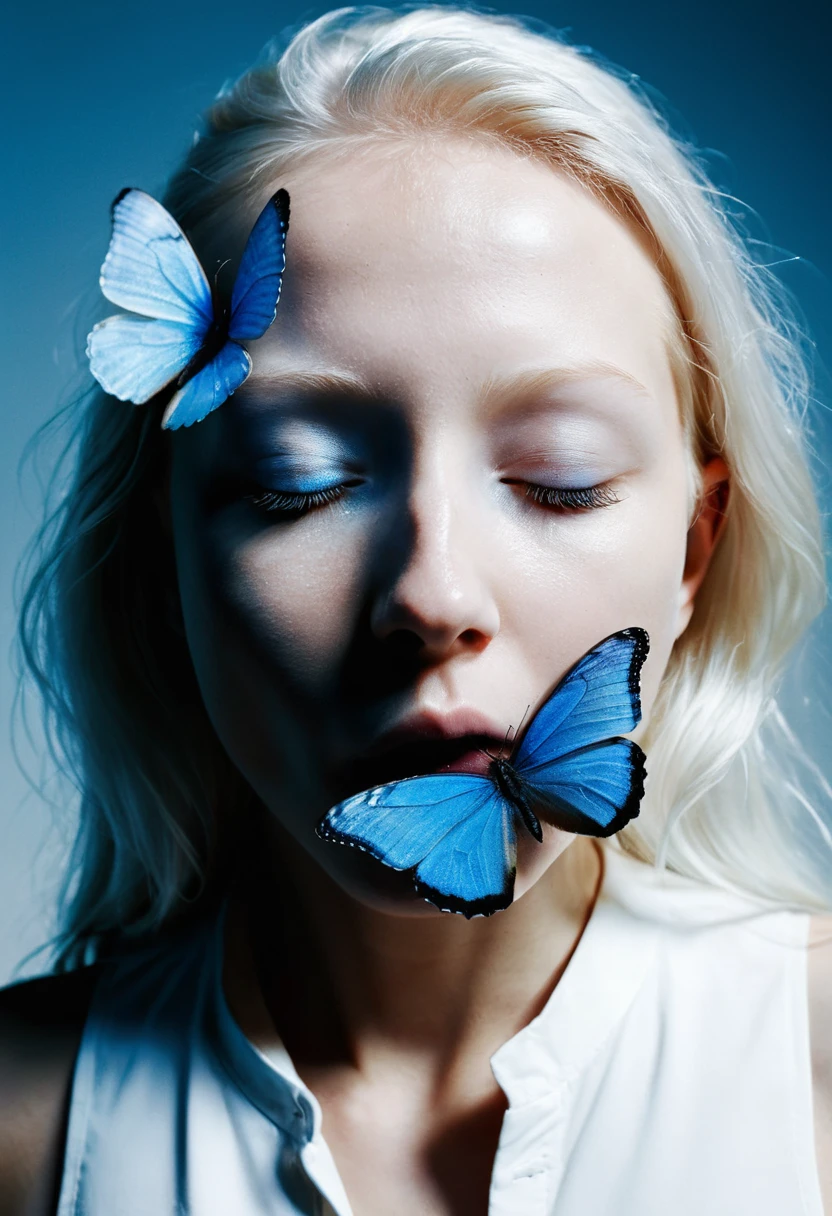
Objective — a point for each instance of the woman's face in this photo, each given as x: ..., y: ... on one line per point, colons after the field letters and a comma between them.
x: 456, y: 466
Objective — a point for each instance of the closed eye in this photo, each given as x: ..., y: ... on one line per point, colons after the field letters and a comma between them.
x: 292, y: 504
x: 563, y: 499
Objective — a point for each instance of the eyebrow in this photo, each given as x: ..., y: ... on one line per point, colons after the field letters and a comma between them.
x: 500, y: 390
x: 313, y: 381
x: 496, y: 390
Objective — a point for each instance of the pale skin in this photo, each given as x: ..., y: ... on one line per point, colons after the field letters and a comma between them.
x: 431, y: 283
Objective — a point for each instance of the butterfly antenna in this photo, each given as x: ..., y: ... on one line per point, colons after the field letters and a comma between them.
x: 505, y: 746
x: 491, y: 755
x: 518, y: 732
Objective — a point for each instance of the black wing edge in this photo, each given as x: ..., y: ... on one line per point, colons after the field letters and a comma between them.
x: 469, y: 908
x: 563, y: 815
x: 327, y: 832
x: 280, y: 202
x: 641, y: 649
x: 119, y: 197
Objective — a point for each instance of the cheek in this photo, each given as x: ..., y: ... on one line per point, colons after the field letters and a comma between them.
x: 269, y: 615
x: 298, y: 593
x: 287, y: 596
x: 587, y: 576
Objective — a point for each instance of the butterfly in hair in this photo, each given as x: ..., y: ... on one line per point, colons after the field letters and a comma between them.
x: 183, y: 335
x: 457, y: 832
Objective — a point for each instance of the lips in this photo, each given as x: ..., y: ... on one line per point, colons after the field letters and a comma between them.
x: 425, y: 745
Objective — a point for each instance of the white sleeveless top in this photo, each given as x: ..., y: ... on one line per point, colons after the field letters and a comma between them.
x: 669, y: 1073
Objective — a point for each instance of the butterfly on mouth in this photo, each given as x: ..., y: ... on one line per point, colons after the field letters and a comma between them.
x: 457, y: 832
x: 183, y: 336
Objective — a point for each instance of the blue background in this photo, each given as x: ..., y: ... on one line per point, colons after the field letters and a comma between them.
x: 100, y: 96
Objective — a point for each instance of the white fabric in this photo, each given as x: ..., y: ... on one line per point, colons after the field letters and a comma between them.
x: 668, y: 1075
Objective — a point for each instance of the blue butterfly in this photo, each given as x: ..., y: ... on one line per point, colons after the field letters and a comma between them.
x: 151, y: 269
x: 457, y: 830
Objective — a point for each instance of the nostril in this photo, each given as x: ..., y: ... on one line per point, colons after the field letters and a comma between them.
x: 474, y: 639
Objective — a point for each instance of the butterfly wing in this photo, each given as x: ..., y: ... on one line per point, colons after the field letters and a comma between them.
x: 569, y: 761
x: 253, y: 308
x: 134, y: 359
x: 594, y: 791
x: 208, y: 388
x: 257, y: 286
x: 598, y: 698
x: 150, y: 267
x: 472, y: 870
x: 455, y: 830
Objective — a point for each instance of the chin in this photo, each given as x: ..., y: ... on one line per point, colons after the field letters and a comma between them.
x: 391, y: 892
x: 380, y: 888
x: 534, y: 860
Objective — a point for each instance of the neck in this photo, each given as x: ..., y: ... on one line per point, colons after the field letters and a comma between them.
x: 345, y: 985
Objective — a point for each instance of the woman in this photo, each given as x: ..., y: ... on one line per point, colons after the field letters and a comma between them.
x: 524, y: 390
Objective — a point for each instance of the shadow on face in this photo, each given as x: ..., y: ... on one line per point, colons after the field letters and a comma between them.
x: 457, y: 465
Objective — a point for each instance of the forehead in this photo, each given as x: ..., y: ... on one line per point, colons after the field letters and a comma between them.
x: 434, y: 261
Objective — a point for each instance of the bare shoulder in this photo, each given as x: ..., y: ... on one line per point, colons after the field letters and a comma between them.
x: 41, y: 1021
x: 820, y: 1034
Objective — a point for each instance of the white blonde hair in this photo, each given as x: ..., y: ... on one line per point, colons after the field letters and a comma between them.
x: 725, y: 799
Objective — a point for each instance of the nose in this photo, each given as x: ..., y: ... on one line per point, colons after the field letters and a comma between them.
x: 436, y: 594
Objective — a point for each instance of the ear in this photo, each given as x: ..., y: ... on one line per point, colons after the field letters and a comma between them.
x: 703, y: 535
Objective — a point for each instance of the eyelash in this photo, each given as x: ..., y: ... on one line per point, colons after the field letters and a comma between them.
x: 583, y: 499
x: 293, y: 505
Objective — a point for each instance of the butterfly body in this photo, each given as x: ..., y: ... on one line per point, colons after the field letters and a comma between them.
x: 513, y: 790
x: 183, y: 334
x: 215, y: 339
x: 457, y: 832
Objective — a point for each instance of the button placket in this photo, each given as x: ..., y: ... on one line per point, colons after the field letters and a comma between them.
x: 529, y: 1159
